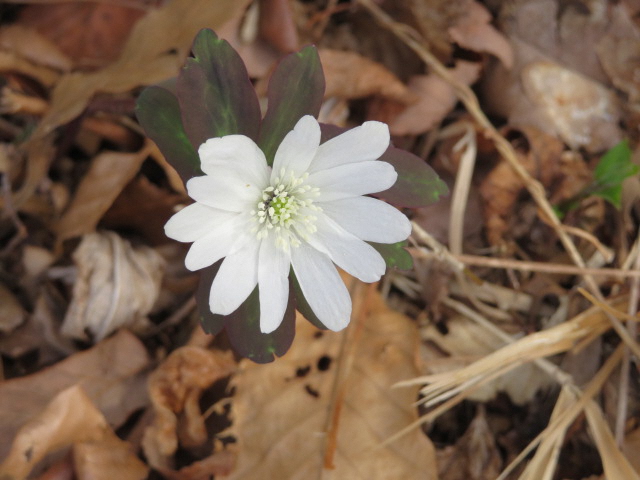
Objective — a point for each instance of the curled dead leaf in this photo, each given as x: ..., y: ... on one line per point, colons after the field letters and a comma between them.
x: 110, y: 373
x: 350, y: 75
x: 436, y: 100
x: 473, y: 30
x: 72, y: 419
x: 116, y: 286
x: 175, y: 388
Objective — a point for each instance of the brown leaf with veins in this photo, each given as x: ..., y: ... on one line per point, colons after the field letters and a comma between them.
x: 71, y: 419
x: 285, y: 413
x: 175, y: 388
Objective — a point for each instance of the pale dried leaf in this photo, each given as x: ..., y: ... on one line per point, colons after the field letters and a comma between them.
x: 631, y: 448
x: 11, y: 312
x: 116, y: 286
x: 70, y: 418
x: 583, y: 112
x: 282, y: 412
x: 32, y: 46
x: 350, y: 75
x: 109, y: 373
x: 153, y: 52
x: 175, y: 388
x: 474, y: 31
x: 437, y: 99
x: 108, y: 175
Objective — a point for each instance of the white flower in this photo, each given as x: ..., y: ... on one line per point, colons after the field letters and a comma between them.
x: 307, y: 212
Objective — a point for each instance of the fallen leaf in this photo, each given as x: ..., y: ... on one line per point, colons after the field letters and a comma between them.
x: 116, y: 286
x: 436, y: 100
x: 11, y: 312
x: 91, y: 34
x: 30, y: 45
x: 174, y: 389
x: 285, y: 413
x: 152, y: 53
x: 277, y: 25
x: 108, y: 373
x: 108, y: 175
x: 350, y: 75
x: 473, y: 30
x: 583, y: 112
x: 72, y: 419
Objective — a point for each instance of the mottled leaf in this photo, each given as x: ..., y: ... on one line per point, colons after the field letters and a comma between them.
x: 243, y: 325
x: 418, y: 185
x: 296, y: 89
x: 394, y: 254
x: 158, y: 112
x: 215, y: 93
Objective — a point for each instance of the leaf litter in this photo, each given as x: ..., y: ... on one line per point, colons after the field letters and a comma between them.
x: 516, y: 371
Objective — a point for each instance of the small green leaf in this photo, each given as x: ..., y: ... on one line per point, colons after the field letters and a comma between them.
x: 296, y: 89
x: 158, y: 112
x: 394, y: 255
x: 418, y: 185
x: 215, y: 93
x: 614, y: 167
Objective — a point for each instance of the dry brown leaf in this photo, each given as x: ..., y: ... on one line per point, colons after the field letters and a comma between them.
x: 91, y: 34
x: 175, y: 388
x: 437, y: 99
x: 153, y: 52
x: 473, y: 30
x: 109, y: 173
x: 116, y: 286
x: 32, y: 46
x: 282, y: 412
x: 350, y: 75
x: 11, y: 312
x: 631, y: 448
x: 583, y: 112
x: 109, y: 373
x: 72, y: 419
x: 277, y: 25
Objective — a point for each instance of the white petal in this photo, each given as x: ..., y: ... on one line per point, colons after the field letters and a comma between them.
x: 369, y: 219
x: 353, y: 180
x: 273, y: 278
x: 210, y: 248
x: 322, y: 287
x: 195, y: 221
x: 298, y: 148
x: 364, y: 143
x: 236, y: 279
x: 354, y: 256
x: 226, y: 192
x: 237, y: 152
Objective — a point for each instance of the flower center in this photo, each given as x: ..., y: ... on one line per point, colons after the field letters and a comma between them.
x: 286, y: 209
